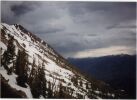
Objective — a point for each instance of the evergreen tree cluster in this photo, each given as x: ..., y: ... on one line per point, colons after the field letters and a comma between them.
x: 37, y: 81
x: 21, y: 68
x: 8, y: 58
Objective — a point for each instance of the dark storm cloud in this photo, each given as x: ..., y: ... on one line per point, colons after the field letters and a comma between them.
x: 72, y: 27
x: 12, y: 10
x: 22, y: 8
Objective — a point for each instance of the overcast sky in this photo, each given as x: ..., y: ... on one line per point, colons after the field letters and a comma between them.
x: 77, y: 29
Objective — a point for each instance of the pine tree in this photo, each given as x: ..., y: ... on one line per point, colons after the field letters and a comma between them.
x: 43, y: 81
x: 9, y: 56
x: 38, y: 84
x: 80, y: 83
x: 61, y: 94
x: 18, y: 61
x: 21, y: 68
x: 50, y: 93
x: 33, y: 72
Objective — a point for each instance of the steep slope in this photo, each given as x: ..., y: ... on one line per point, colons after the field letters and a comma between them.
x: 29, y: 65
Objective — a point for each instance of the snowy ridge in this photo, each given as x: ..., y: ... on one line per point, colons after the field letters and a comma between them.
x: 56, y: 70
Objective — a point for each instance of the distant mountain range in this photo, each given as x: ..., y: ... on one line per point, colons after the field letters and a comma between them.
x: 117, y: 70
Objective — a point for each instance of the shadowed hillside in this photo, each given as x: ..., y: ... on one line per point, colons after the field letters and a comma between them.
x: 119, y: 71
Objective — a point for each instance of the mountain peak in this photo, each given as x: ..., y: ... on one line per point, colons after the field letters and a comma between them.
x: 20, y: 27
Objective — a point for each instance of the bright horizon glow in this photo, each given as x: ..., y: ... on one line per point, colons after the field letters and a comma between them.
x: 113, y: 50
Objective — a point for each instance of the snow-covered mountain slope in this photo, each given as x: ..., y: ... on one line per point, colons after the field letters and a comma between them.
x: 30, y: 66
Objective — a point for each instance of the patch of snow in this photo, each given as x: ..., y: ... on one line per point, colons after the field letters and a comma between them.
x: 10, y: 65
x: 113, y: 95
x: 12, y: 82
x: 108, y: 94
x: 98, y: 92
x: 3, y: 47
x: 41, y: 97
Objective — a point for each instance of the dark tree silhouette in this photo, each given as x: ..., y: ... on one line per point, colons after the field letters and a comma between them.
x: 38, y: 81
x: 60, y: 91
x: 21, y: 68
x: 9, y: 56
